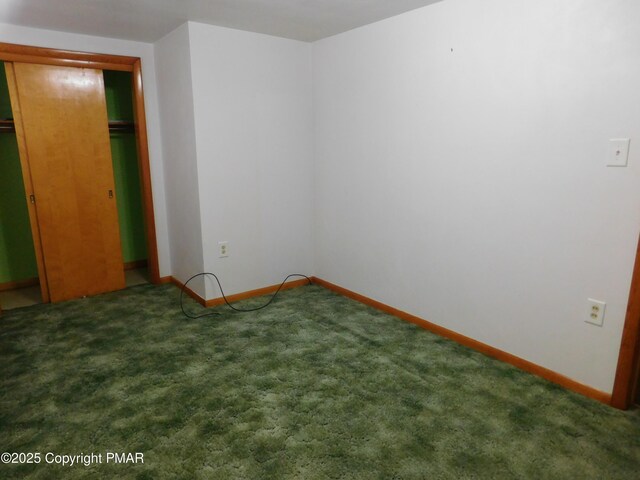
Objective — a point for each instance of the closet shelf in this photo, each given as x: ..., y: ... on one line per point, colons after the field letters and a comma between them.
x: 116, y: 126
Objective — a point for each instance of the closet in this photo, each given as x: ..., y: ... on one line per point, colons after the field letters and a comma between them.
x: 125, y: 168
x: 82, y: 175
x: 61, y: 117
x: 18, y: 267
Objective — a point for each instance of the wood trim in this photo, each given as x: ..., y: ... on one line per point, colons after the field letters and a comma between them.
x: 188, y: 291
x: 66, y: 58
x: 164, y: 280
x: 474, y: 344
x: 144, y: 167
x: 48, y: 56
x: 214, y: 302
x: 135, y: 264
x: 29, y: 282
x: 626, y: 383
x: 26, y: 178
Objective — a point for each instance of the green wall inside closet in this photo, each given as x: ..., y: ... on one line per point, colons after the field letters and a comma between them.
x: 119, y: 94
x: 17, y: 257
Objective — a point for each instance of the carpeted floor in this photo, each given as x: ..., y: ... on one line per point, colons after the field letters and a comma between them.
x: 316, y: 386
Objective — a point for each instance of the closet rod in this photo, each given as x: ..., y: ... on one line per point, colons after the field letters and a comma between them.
x: 117, y: 126
x: 7, y: 126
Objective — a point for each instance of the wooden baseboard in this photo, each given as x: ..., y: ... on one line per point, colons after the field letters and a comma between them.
x: 257, y: 292
x: 188, y: 291
x: 488, y: 350
x: 135, y: 264
x: 164, y: 280
x: 29, y: 282
x: 214, y: 302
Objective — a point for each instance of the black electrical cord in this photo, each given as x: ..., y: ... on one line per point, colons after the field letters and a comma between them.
x: 186, y: 314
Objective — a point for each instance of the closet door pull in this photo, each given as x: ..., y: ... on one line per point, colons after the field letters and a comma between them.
x: 32, y: 199
x: 110, y: 193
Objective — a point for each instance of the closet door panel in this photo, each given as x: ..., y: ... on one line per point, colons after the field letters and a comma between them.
x: 65, y: 124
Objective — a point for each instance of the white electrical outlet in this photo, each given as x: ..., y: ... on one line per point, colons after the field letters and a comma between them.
x: 223, y: 249
x: 595, y: 312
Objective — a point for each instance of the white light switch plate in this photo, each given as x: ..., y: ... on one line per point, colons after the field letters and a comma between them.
x: 618, y: 152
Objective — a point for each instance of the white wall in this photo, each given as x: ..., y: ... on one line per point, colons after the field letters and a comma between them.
x: 465, y: 186
x: 254, y: 134
x: 86, y: 43
x: 175, y: 92
x: 469, y: 187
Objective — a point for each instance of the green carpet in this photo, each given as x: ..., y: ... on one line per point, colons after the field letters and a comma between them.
x: 315, y: 386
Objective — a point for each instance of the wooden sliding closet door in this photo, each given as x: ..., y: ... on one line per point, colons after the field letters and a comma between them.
x: 63, y: 116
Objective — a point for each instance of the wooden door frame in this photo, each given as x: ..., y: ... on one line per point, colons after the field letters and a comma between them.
x: 48, y: 56
x: 626, y: 382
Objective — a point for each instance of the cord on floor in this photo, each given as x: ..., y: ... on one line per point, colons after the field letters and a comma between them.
x: 241, y: 310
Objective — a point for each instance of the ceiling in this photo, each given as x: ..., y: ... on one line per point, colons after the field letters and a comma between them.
x: 150, y: 20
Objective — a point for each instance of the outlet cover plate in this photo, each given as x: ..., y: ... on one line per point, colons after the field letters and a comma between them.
x: 595, y: 312
x: 223, y: 249
x: 618, y: 152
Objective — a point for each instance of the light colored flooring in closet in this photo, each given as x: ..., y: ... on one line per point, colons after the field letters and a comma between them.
x: 136, y: 276
x: 24, y: 297
x: 20, y: 297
